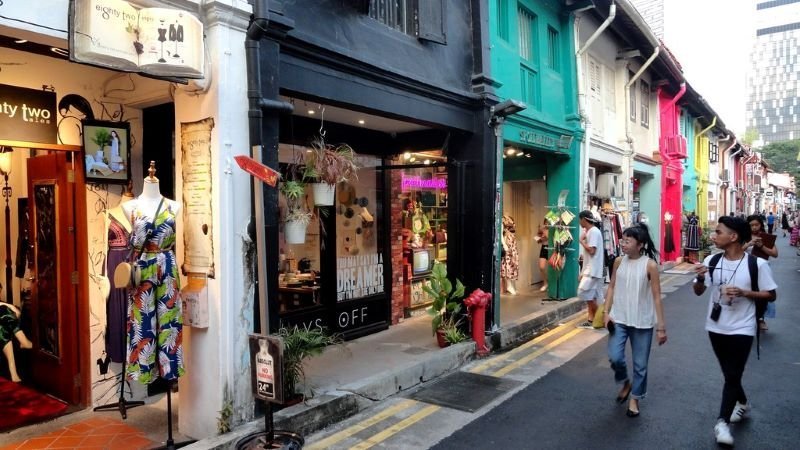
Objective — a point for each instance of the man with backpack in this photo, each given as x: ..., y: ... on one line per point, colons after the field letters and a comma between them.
x: 737, y: 280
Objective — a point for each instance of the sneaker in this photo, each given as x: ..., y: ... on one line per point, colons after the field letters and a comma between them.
x: 588, y: 325
x: 739, y: 412
x: 723, y: 433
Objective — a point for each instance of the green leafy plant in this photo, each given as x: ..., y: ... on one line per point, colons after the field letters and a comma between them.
x: 224, y: 424
x: 101, y: 138
x: 452, y: 331
x: 330, y: 164
x: 299, y: 344
x: 294, y: 192
x: 445, y: 307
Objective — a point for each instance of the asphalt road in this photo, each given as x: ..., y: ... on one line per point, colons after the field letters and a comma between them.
x: 573, y: 405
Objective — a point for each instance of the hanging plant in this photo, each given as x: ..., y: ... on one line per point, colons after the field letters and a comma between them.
x: 330, y: 164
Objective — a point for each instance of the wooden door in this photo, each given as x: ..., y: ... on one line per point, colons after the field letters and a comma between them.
x: 54, y: 306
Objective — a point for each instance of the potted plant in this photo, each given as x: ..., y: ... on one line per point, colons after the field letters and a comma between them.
x: 445, y: 308
x: 325, y: 165
x: 299, y: 344
x: 101, y: 138
x: 297, y: 217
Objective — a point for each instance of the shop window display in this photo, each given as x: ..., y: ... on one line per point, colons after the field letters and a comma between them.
x: 424, y: 229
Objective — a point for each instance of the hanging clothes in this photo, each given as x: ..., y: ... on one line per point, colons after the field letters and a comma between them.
x: 692, y: 234
x: 155, y: 318
x: 117, y: 303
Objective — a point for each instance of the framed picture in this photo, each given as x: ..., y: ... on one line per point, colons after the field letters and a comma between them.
x: 107, y: 151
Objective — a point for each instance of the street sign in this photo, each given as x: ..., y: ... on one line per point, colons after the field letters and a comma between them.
x: 266, y: 367
x: 258, y: 170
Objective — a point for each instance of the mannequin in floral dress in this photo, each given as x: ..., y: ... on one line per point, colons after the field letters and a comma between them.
x: 155, y: 319
x: 509, y: 264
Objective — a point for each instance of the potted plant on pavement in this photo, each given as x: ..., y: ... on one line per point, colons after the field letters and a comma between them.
x: 297, y: 216
x: 325, y: 166
x: 299, y: 344
x: 445, y: 309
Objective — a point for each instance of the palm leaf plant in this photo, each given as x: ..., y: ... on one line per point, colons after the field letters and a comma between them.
x: 299, y: 344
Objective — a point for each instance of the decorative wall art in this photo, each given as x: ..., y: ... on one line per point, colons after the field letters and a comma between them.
x: 106, y: 151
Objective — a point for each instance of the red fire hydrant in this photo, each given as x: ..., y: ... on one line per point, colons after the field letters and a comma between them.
x: 476, y: 303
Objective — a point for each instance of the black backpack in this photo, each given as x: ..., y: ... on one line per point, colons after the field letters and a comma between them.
x: 761, y: 305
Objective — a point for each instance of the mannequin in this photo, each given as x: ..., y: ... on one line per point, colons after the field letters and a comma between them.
x: 9, y: 328
x: 117, y: 250
x: 155, y: 317
x: 509, y: 264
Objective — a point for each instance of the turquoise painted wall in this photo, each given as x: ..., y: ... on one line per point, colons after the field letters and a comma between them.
x: 540, y: 72
x: 689, y: 198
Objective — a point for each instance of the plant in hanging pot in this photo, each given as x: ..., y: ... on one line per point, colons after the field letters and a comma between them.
x: 445, y: 309
x: 297, y: 216
x: 325, y: 166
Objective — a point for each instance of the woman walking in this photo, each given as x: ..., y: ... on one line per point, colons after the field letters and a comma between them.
x: 633, y: 308
x: 541, y: 238
x: 731, y: 314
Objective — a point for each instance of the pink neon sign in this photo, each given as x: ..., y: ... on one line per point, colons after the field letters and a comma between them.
x: 418, y: 183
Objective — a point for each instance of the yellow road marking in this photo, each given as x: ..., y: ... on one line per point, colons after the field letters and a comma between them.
x: 499, y: 358
x: 516, y: 364
x: 361, y: 426
x: 396, y: 428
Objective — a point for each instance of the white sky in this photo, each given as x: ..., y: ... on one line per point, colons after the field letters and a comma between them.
x: 712, y: 40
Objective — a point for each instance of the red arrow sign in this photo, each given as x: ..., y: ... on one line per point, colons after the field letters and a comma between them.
x: 258, y: 170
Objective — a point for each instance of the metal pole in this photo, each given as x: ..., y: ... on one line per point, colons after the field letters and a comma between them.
x: 7, y: 196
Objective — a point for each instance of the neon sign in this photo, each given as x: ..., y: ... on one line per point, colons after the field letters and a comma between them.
x: 418, y: 183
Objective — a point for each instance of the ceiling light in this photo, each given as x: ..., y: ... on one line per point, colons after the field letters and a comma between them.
x: 361, y: 121
x: 407, y: 156
x: 412, y: 159
x: 510, y: 151
x: 527, y: 155
x: 59, y: 51
x: 308, y: 150
x: 20, y: 41
x: 504, y: 156
x: 520, y: 153
x: 311, y: 112
x: 427, y: 161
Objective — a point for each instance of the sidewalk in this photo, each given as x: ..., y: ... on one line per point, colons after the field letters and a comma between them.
x: 365, y: 371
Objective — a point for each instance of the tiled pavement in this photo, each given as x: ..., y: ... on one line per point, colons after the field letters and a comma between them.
x: 97, y: 433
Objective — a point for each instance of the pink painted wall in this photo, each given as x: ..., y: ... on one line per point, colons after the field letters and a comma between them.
x: 671, y: 175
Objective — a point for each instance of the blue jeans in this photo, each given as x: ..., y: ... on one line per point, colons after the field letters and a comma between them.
x: 640, y: 338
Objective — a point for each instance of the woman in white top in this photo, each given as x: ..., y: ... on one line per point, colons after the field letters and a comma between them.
x: 632, y: 311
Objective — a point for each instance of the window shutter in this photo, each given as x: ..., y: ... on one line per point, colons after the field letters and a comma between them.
x: 431, y: 19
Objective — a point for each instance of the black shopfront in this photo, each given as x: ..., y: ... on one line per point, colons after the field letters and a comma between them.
x: 380, y: 71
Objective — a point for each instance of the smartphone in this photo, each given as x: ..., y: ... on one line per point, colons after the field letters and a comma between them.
x: 610, y: 327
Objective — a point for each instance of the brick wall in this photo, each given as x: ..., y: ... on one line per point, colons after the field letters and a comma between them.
x: 396, y: 248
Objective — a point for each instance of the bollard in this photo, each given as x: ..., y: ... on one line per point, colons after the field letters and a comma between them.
x: 476, y: 304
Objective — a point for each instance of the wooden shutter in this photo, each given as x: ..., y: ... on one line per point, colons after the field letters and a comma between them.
x: 431, y: 17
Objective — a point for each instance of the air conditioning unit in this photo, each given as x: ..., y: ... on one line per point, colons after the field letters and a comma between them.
x: 591, y: 180
x: 724, y: 176
x: 674, y: 146
x: 609, y: 185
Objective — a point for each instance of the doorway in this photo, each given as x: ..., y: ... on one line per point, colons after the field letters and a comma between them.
x: 525, y: 202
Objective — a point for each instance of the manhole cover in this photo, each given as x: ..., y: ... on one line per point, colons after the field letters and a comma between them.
x: 464, y: 391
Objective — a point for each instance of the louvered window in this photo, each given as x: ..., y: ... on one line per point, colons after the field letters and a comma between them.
x: 527, y: 34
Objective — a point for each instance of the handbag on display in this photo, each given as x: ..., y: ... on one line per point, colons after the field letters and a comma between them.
x: 126, y: 274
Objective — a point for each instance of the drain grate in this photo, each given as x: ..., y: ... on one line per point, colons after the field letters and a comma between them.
x: 464, y: 391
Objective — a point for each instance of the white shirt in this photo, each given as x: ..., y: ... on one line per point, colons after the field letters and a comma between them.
x: 738, y: 317
x: 593, y: 265
x: 633, y: 297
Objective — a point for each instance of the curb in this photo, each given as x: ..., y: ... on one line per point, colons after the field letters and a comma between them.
x: 336, y: 406
x: 529, y: 326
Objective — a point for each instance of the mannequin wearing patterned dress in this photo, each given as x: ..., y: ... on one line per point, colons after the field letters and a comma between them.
x: 509, y: 264
x: 119, y: 231
x: 155, y: 319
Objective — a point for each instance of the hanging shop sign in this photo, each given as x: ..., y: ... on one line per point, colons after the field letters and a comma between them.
x: 198, y: 232
x: 266, y: 362
x: 157, y: 41
x: 28, y: 115
x: 538, y: 139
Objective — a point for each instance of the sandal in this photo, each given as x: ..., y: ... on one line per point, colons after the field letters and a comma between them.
x: 627, y: 392
x: 632, y: 413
